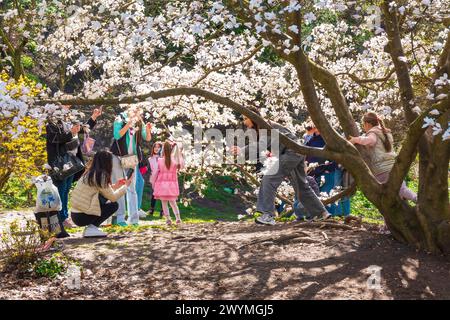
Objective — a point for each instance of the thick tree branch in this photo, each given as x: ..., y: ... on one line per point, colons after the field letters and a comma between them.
x: 320, y: 74
x: 395, y: 49
x: 344, y: 193
x: 334, y: 92
x: 188, y: 91
x: 408, y: 150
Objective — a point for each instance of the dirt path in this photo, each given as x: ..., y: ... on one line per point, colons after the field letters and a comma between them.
x: 242, y: 261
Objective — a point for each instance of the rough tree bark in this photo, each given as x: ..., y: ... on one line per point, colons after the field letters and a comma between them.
x: 426, y: 225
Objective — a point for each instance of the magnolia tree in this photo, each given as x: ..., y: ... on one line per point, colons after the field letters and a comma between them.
x: 203, y: 62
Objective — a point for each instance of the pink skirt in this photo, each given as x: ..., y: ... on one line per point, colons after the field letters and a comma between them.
x: 166, y: 190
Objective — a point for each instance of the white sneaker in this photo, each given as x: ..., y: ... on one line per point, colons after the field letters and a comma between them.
x: 92, y: 231
x: 142, y: 214
x: 321, y: 217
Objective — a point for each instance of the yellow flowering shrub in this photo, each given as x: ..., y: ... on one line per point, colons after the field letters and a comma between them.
x: 23, y: 156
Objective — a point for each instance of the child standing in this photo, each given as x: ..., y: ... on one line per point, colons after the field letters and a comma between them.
x: 153, y: 160
x: 165, y: 183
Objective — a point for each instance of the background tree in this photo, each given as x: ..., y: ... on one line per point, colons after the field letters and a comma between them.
x: 189, y: 59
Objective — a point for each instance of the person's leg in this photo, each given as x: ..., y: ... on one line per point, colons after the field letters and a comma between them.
x: 139, y: 188
x: 132, y: 201
x: 176, y: 211
x: 406, y: 193
x: 82, y: 219
x: 346, y: 206
x: 270, y: 183
x: 299, y: 210
x: 327, y: 187
x: 304, y: 192
x: 117, y: 174
x: 280, y: 207
x: 267, y: 192
x: 63, y: 190
x: 152, y: 204
x: 382, y: 177
x: 165, y: 210
x: 338, y: 210
x: 68, y: 186
x: 343, y: 207
x: 108, y: 210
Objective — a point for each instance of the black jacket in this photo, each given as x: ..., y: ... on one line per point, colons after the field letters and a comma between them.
x: 57, y: 137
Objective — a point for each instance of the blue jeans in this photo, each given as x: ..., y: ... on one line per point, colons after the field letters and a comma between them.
x: 332, y: 180
x: 63, y: 190
x: 139, y: 187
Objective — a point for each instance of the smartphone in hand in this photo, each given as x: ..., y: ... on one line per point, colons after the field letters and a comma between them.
x: 130, y: 173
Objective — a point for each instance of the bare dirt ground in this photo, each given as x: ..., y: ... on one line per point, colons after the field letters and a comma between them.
x: 242, y: 261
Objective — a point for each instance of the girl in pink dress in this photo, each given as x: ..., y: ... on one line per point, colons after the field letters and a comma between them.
x: 165, y: 180
x: 153, y: 160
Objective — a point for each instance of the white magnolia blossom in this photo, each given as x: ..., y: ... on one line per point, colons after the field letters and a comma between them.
x: 199, y: 43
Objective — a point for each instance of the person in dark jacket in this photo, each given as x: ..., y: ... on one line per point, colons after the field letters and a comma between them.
x: 331, y: 171
x: 290, y: 164
x: 59, y: 133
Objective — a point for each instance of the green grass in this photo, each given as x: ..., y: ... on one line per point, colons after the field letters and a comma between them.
x: 56, y: 265
x: 196, y: 213
x: 362, y: 207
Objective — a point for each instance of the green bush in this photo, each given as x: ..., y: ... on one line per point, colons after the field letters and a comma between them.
x: 20, y: 245
x: 27, y: 62
x: 17, y: 195
x: 52, y: 267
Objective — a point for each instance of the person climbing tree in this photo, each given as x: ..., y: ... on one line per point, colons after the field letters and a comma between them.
x: 290, y: 164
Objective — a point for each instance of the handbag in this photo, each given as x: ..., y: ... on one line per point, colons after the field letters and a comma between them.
x: 50, y: 222
x: 65, y: 166
x: 88, y: 144
x: 47, y: 196
x: 127, y: 161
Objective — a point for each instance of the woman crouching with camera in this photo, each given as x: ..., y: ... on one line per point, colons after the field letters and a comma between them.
x: 94, y: 198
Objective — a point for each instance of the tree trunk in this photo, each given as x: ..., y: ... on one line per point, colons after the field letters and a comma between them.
x: 17, y: 65
x: 427, y: 225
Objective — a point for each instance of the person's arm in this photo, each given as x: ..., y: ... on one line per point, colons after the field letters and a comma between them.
x: 118, y: 130
x: 54, y: 135
x: 146, y: 132
x: 118, y: 184
x: 111, y: 194
x: 181, y: 159
x: 91, y: 123
x: 369, y: 140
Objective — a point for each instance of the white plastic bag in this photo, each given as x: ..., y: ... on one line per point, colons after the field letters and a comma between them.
x: 47, y: 195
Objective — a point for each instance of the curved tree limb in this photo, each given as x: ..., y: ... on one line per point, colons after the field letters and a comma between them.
x: 188, y: 91
x: 395, y: 49
x: 407, y: 152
